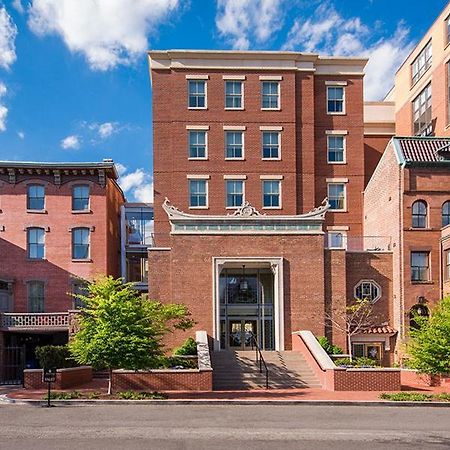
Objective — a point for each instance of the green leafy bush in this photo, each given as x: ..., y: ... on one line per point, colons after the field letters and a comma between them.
x: 445, y: 396
x: 406, y: 397
x: 132, y: 395
x: 329, y: 347
x: 171, y: 362
x: 63, y: 395
x: 54, y: 356
x: 357, y: 362
x: 189, y: 347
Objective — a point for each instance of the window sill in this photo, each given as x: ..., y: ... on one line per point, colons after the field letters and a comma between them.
x: 270, y: 159
x: 198, y: 159
x: 338, y: 210
x: 191, y: 108
x: 270, y: 109
x: 198, y: 207
x: 336, y: 113
x: 234, y: 109
x: 422, y: 282
x: 88, y: 260
x: 36, y: 259
x: 337, y: 163
x: 272, y: 207
x: 36, y: 211
x: 234, y: 159
x: 84, y: 211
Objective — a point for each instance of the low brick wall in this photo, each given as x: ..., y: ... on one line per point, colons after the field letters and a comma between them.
x: 411, y: 377
x: 65, y: 378
x: 333, y: 378
x: 162, y: 380
x: 367, y: 379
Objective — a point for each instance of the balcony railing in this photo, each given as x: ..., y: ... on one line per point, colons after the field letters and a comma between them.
x: 30, y: 321
x: 360, y: 243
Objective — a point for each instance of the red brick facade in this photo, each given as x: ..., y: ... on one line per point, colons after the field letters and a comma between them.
x: 65, y: 378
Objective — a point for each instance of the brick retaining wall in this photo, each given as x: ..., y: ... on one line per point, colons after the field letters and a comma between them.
x: 162, y: 380
x: 367, y: 380
x: 65, y: 378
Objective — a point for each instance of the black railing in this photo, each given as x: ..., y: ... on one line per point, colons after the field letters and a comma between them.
x: 259, y: 358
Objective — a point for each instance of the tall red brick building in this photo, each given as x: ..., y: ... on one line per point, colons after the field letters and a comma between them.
x: 246, y: 148
x: 59, y: 226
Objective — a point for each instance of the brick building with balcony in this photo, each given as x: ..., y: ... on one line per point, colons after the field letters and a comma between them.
x: 59, y: 226
x: 246, y: 148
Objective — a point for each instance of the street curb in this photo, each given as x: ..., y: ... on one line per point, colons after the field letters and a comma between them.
x: 217, y: 402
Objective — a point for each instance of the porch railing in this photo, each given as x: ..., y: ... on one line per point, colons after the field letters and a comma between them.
x: 34, y: 320
x: 359, y: 243
x: 259, y: 358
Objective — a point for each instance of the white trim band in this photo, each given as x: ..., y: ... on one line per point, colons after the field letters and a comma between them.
x: 234, y: 77
x: 336, y: 83
x: 270, y: 77
x: 271, y: 177
x: 338, y: 228
x: 235, y: 177
x: 197, y: 127
x: 270, y: 128
x: 197, y: 77
x: 337, y: 180
x: 338, y: 132
x: 234, y: 127
x: 198, y: 177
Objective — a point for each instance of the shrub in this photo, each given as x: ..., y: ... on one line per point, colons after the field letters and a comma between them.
x: 444, y: 396
x: 54, y: 356
x: 406, y: 397
x: 173, y: 362
x: 189, y: 347
x: 63, y: 395
x: 357, y: 362
x: 329, y: 347
x: 132, y: 395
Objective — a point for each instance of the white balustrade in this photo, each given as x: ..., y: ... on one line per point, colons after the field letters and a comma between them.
x: 34, y: 320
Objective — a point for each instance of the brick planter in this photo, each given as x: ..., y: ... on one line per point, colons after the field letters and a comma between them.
x: 412, y: 377
x: 65, y: 378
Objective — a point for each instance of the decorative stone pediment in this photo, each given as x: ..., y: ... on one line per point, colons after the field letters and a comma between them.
x: 246, y: 220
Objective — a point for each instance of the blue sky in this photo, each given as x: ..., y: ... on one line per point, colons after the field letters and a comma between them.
x: 74, y: 82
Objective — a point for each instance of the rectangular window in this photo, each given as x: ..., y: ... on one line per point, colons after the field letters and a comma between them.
x: 336, y: 239
x: 139, y: 227
x: 421, y: 64
x: 36, y: 197
x: 79, y: 288
x: 335, y: 148
x: 36, y: 296
x: 137, y: 268
x: 335, y: 100
x: 36, y: 243
x: 235, y: 193
x: 336, y: 196
x: 198, y: 195
x: 80, y: 198
x: 197, y: 94
x: 271, y: 145
x: 233, y: 95
x: 234, y: 145
x: 271, y: 193
x: 420, y: 266
x: 270, y: 98
x: 422, y: 122
x: 197, y: 144
x: 447, y: 265
x: 80, y: 243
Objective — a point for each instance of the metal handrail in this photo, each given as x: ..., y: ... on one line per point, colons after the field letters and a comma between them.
x: 260, y: 358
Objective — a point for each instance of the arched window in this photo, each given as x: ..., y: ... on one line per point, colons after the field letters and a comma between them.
x: 417, y: 311
x: 419, y: 214
x: 446, y: 214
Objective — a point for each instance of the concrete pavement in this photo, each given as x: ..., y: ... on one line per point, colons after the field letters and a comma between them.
x: 223, y: 427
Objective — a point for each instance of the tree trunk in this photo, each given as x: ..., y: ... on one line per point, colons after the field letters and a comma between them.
x: 109, y: 381
x: 349, y: 345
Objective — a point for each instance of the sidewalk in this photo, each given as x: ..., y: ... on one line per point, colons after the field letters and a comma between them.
x: 306, y: 394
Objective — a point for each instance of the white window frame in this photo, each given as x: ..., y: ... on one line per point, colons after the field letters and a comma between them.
x: 280, y: 196
x: 74, y: 229
x: 197, y: 130
x: 360, y: 282
x: 242, y: 180
x: 344, y: 239
x: 225, y: 95
x: 344, y: 146
x: 344, y: 107
x: 262, y: 144
x: 198, y: 178
x: 262, y: 81
x: 422, y: 70
x: 231, y: 130
x: 202, y: 80
x: 344, y: 184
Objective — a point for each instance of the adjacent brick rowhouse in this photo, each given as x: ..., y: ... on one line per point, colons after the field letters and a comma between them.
x: 162, y: 380
x: 65, y: 378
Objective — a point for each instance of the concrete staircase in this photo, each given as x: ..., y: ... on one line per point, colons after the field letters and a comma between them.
x: 233, y: 370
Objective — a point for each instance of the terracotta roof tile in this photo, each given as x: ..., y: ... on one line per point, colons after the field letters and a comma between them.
x: 424, y: 149
x: 385, y: 329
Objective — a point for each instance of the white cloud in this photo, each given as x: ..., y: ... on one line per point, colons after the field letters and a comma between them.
x: 17, y: 5
x: 243, y: 21
x: 328, y: 33
x: 106, y: 32
x: 8, y: 33
x: 138, y: 184
x: 3, y: 108
x: 104, y: 130
x: 21, y: 134
x: 70, y: 142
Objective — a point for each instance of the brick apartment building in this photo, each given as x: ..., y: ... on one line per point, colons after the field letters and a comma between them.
x: 59, y: 225
x: 246, y: 148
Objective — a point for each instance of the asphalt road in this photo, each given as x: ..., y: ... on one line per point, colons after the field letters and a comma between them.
x: 223, y: 427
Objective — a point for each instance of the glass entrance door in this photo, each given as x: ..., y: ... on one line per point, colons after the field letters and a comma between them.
x: 240, y: 333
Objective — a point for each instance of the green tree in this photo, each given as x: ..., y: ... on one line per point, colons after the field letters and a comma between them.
x: 119, y: 328
x: 429, y: 347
